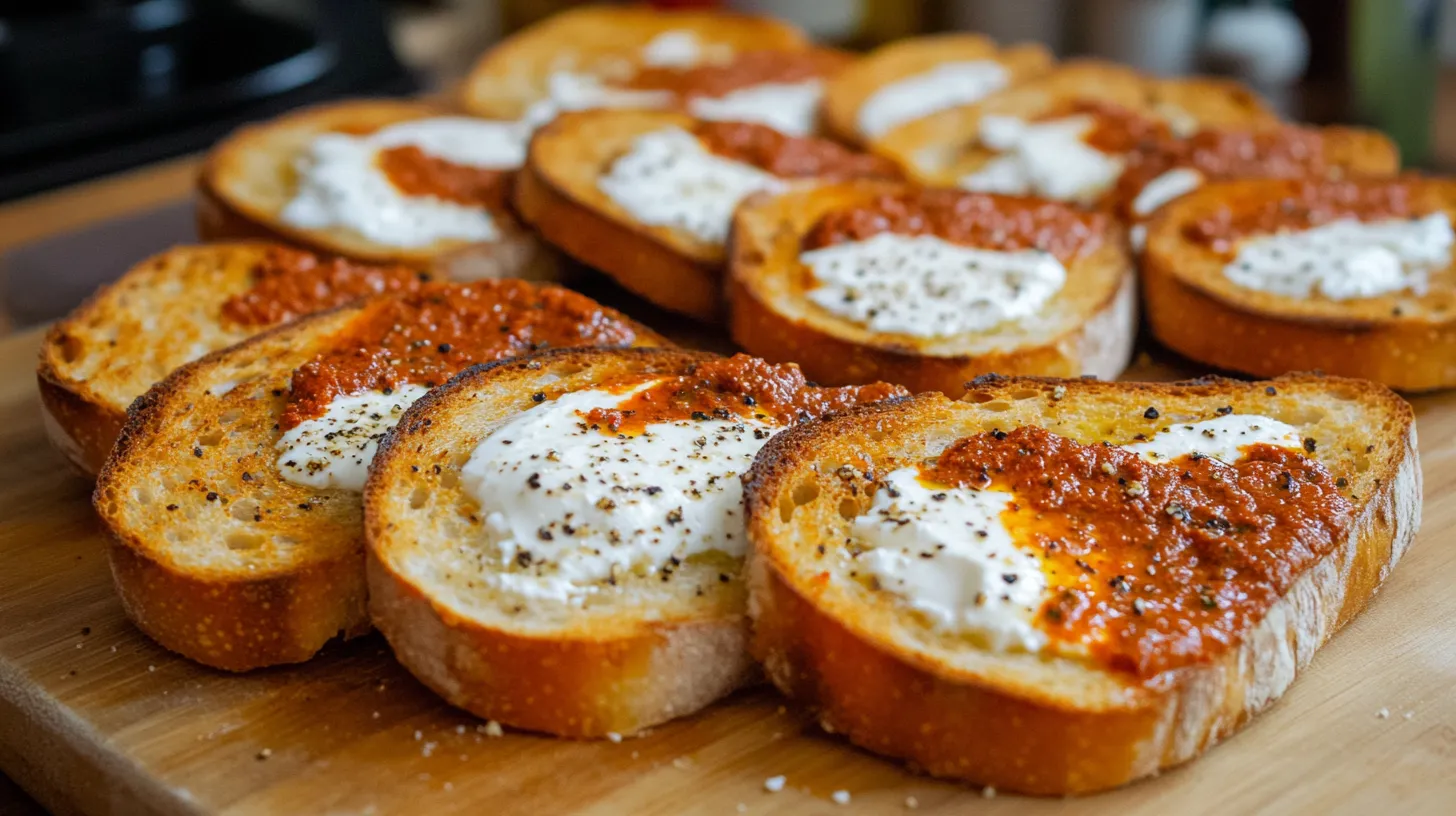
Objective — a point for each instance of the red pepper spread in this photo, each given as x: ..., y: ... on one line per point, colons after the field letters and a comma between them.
x: 790, y: 156
x: 738, y: 386
x: 744, y: 70
x: 1154, y: 566
x: 1306, y: 204
x: 428, y: 336
x: 416, y: 173
x: 982, y: 220
x: 1116, y: 129
x: 290, y: 283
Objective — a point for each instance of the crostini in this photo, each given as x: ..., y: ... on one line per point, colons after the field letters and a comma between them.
x: 865, y: 281
x: 172, y: 309
x: 380, y: 181
x: 1350, y: 277
x: 1060, y: 587
x: 647, y: 196
x: 233, y: 492
x: 910, y: 79
x: 556, y: 542
x: 711, y: 64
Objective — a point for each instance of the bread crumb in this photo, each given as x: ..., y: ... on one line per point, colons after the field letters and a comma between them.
x: 774, y: 784
x: 1409, y: 715
x: 988, y: 792
x: 776, y: 736
x: 460, y: 729
x: 448, y: 786
x: 419, y: 735
x: 911, y: 802
x: 264, y: 754
x: 634, y: 754
x: 374, y: 716
x: 151, y: 668
x: 742, y: 808
x: 1382, y: 713
x: 493, y: 729
x: 682, y: 763
x: 840, y: 797
x: 428, y: 748
x: 825, y: 724
x: 613, y: 736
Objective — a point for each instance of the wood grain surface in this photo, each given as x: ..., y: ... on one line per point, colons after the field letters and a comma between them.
x: 94, y: 718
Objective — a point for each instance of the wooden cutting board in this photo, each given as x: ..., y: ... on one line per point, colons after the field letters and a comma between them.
x: 94, y: 718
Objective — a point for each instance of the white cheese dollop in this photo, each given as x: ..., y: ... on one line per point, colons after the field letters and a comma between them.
x: 929, y: 287
x: 568, y: 507
x: 673, y: 49
x: 788, y: 107
x: 1047, y: 159
x: 340, y: 184
x: 334, y: 450
x: 1173, y: 184
x: 1223, y: 438
x: 570, y: 91
x: 945, y: 86
x: 668, y: 178
x: 1346, y: 259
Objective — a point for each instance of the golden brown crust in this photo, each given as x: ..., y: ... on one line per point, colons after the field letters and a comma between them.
x: 1404, y: 341
x: 585, y: 677
x: 983, y: 724
x: 770, y: 317
x: 248, y: 178
x: 847, y: 93
x: 82, y: 429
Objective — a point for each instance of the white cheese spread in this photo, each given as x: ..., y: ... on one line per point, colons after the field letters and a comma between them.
x: 788, y: 107
x: 569, y: 91
x: 1173, y: 184
x: 929, y: 287
x: 1346, y: 259
x: 669, y: 179
x: 340, y: 184
x: 568, y: 507
x: 673, y: 49
x: 945, y: 86
x: 946, y: 552
x: 1047, y: 159
x: 334, y: 450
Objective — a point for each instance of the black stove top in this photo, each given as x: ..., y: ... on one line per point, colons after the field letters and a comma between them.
x: 89, y: 87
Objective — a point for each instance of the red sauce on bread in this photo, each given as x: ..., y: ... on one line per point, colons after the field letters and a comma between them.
x: 416, y: 173
x: 1154, y: 566
x: 1305, y: 204
x: 427, y: 336
x: 982, y: 220
x: 739, y: 386
x: 744, y: 70
x: 290, y: 283
x: 790, y: 156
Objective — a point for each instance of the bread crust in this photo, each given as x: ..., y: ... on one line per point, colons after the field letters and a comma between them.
x: 989, y: 727
x: 214, y: 554
x: 582, y: 678
x: 847, y: 92
x: 605, y: 41
x: 248, y: 178
x: 83, y: 429
x: 763, y: 287
x: 1192, y: 312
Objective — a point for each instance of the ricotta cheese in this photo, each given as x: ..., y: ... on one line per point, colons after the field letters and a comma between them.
x: 1047, y: 159
x: 788, y: 107
x: 334, y: 450
x: 929, y: 287
x: 1173, y: 184
x: 1346, y: 259
x: 568, y: 507
x: 945, y: 86
x: 571, y: 91
x: 673, y: 49
x: 1223, y: 438
x: 669, y: 179
x: 340, y: 184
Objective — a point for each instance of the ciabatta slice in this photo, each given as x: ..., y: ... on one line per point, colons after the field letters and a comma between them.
x: 612, y: 44
x: 916, y: 57
x: 1404, y: 337
x: 473, y: 514
x: 216, y: 553
x: 880, y: 670
x: 250, y: 177
x: 559, y: 193
x: 1086, y: 327
x: 171, y: 309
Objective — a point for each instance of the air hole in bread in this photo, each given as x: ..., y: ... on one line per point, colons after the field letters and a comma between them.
x: 458, y: 460
x: 449, y: 479
x: 977, y: 397
x: 72, y: 348
x: 244, y: 510
x: 229, y: 417
x: 804, y: 492
x: 998, y: 405
x: 1301, y: 415
x: 1025, y: 394
x: 210, y: 439
x: 285, y: 541
x: 418, y: 497
x: 243, y: 541
x: 141, y: 495
x: 849, y: 508
x: 877, y: 435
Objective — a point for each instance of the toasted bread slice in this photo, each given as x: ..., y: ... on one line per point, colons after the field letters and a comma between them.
x: 847, y: 94
x: 515, y: 627
x: 944, y: 147
x: 1087, y: 326
x: 559, y: 193
x: 611, y: 44
x: 220, y: 554
x: 881, y: 672
x: 250, y: 177
x: 1403, y: 337
x: 172, y: 309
